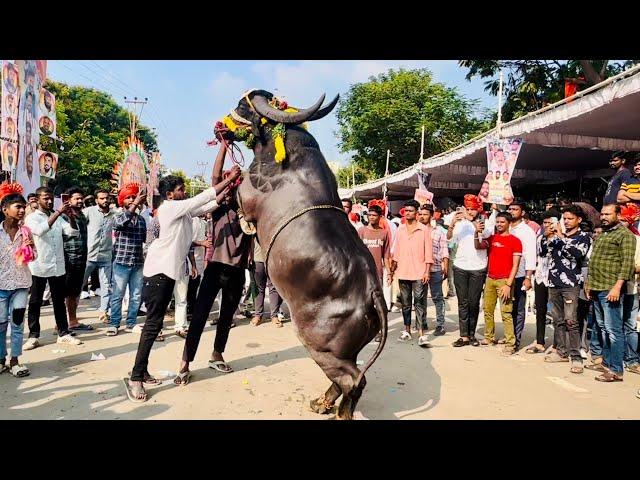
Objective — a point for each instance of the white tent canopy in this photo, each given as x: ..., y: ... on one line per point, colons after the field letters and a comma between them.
x: 563, y: 141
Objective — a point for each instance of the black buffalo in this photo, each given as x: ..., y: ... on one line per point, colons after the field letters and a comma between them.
x: 316, y: 260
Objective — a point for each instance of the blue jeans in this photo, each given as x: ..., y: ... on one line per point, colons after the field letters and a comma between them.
x: 435, y: 285
x: 595, y: 338
x: 104, y: 270
x: 629, y: 315
x: 609, y: 318
x: 10, y: 301
x: 122, y: 276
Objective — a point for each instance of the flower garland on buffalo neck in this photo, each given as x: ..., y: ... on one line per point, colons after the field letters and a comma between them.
x: 243, y: 134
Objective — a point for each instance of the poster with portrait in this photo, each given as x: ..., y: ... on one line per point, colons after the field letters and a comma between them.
x: 502, y: 155
x: 48, y: 164
x: 9, y: 151
x: 10, y: 100
x: 27, y: 170
x: 47, y: 113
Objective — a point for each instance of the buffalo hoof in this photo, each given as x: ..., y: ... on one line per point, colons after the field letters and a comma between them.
x: 321, y: 406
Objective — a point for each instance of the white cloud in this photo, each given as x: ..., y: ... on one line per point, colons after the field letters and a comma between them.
x: 226, y: 85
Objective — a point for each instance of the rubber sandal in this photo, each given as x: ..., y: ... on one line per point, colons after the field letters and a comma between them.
x: 255, y: 321
x: 181, y: 333
x: 131, y: 394
x: 609, y: 377
x: 596, y: 367
x: 160, y: 337
x: 220, y: 366
x: 112, y: 331
x: 81, y: 327
x: 19, y: 371
x: 182, y: 379
x: 534, y: 349
x: 3, y: 368
x: 461, y: 342
x: 149, y: 380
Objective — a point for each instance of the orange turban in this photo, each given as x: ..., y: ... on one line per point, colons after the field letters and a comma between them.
x: 131, y: 189
x: 383, y: 205
x: 473, y: 202
x: 630, y: 213
x: 10, y: 189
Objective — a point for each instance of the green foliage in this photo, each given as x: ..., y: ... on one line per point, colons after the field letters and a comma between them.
x: 531, y: 84
x: 93, y: 128
x: 388, y: 112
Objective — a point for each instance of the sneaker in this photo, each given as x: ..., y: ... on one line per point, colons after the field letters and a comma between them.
x: 84, y: 295
x: 30, y: 344
x: 583, y: 354
x: 92, y: 293
x: 439, y: 331
x: 96, y: 292
x: 395, y: 309
x: 69, y: 339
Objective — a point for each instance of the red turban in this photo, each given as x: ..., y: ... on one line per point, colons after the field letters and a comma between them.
x: 473, y: 202
x: 630, y: 213
x: 130, y: 189
x: 10, y: 189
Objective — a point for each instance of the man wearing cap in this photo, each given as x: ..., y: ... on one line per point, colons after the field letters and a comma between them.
x: 469, y: 267
x: 623, y: 175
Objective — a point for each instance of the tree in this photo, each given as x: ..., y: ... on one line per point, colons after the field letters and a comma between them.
x: 531, y: 84
x: 388, y: 112
x: 93, y: 128
x: 344, y: 176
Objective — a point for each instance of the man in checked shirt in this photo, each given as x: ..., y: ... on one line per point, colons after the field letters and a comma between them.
x: 130, y: 234
x: 610, y: 267
x: 439, y: 268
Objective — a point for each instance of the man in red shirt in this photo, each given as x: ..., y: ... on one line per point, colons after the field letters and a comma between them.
x: 505, y: 251
x: 378, y: 240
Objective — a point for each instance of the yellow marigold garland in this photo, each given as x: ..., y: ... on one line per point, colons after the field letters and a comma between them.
x: 278, y: 133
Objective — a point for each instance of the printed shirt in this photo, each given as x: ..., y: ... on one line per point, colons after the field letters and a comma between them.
x: 378, y: 241
x: 621, y: 176
x: 542, y: 265
x: 12, y: 275
x: 130, y: 234
x: 565, y: 257
x: 612, y: 258
x: 75, y: 247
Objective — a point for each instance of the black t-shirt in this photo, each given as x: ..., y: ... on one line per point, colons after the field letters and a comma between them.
x: 622, y: 176
x: 231, y: 245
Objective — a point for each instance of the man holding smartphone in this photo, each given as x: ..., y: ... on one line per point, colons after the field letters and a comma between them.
x: 469, y: 267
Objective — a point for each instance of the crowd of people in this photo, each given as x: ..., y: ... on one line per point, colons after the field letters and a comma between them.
x: 185, y: 249
x: 583, y: 274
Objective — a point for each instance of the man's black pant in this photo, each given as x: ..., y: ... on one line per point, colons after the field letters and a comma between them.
x: 469, y: 285
x: 518, y: 313
x: 542, y: 299
x: 57, y: 286
x: 263, y: 282
x: 192, y: 292
x: 566, y: 328
x: 156, y: 294
x: 216, y: 276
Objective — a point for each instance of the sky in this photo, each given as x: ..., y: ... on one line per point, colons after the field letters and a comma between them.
x: 186, y: 98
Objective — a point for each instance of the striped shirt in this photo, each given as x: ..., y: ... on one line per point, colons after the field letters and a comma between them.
x: 440, y: 248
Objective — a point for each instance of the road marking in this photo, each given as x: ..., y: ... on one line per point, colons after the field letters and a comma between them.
x: 566, y: 385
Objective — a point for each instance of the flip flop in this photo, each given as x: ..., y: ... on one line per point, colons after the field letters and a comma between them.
x: 220, y: 366
x: 132, y: 395
x: 19, y: 371
x: 182, y: 379
x: 160, y: 337
x: 149, y: 380
x: 3, y: 368
x: 181, y: 333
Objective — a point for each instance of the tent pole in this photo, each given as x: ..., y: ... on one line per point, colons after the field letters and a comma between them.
x: 499, y: 122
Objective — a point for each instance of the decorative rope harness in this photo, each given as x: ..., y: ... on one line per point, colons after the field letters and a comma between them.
x: 289, y: 220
